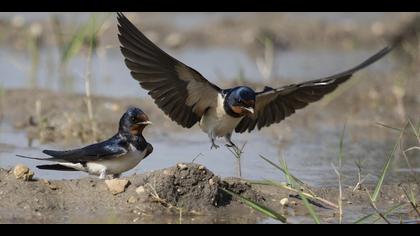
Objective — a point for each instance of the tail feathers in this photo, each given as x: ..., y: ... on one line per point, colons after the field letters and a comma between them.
x: 35, y: 158
x: 56, y: 153
x: 55, y: 167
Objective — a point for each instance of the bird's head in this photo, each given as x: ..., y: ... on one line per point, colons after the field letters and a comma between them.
x: 134, y: 121
x: 241, y: 101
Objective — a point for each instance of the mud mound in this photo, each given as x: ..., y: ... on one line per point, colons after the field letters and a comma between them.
x: 187, y: 185
x: 193, y: 188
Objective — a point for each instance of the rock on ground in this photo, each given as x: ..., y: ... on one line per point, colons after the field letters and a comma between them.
x: 23, y: 172
x: 116, y: 186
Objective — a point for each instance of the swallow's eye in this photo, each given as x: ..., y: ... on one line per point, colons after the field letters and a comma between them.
x: 133, y: 118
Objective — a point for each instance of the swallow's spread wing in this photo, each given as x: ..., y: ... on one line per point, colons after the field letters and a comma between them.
x: 274, y: 105
x: 180, y: 91
x: 94, y: 152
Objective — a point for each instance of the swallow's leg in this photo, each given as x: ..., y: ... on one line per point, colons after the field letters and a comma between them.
x: 212, y: 139
x: 230, y: 144
x: 213, y: 144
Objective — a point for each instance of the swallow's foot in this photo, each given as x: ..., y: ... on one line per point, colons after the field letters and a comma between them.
x: 215, y: 146
x: 232, y: 145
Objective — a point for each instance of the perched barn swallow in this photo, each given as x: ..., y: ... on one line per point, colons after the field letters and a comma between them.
x: 114, y: 156
x: 188, y: 98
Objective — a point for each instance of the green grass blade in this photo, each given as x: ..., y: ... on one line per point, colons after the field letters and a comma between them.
x: 338, y: 172
x: 284, y: 166
x: 389, y: 211
x: 386, y: 168
x: 384, y: 171
x: 284, y: 170
x: 310, y: 208
x: 295, y: 185
x: 364, y: 218
x: 264, y: 182
x: 341, y: 152
x: 388, y: 126
x: 258, y: 207
x: 88, y: 31
x: 412, y: 199
x: 415, y: 131
x: 302, y: 195
x: 72, y: 47
x: 288, y: 187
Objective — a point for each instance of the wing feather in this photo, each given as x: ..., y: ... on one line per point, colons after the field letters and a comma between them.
x: 180, y: 91
x: 274, y: 105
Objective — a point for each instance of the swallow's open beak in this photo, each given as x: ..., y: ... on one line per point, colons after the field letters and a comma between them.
x: 145, y: 123
x: 249, y: 109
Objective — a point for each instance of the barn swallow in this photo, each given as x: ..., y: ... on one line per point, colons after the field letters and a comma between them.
x: 111, y: 157
x: 188, y: 98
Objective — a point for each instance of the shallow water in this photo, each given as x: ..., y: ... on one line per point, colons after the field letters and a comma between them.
x: 308, y: 157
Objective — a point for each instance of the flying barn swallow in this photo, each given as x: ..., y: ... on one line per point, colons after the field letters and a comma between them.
x: 188, y: 98
x: 114, y: 156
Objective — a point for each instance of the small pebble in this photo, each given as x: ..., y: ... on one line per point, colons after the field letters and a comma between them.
x: 132, y: 199
x: 116, y: 186
x: 140, y: 190
x: 182, y: 166
x: 51, y: 186
x: 23, y: 172
x: 284, y: 201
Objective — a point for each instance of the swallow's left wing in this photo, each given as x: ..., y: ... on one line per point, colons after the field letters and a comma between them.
x: 274, y: 105
x: 94, y: 152
x: 179, y: 90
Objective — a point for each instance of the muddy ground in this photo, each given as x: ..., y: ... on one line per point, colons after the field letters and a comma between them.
x: 186, y: 193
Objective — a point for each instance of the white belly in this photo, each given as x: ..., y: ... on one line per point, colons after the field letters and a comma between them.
x: 115, y: 165
x: 216, y: 123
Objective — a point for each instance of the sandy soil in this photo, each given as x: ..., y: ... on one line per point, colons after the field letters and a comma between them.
x: 192, y: 188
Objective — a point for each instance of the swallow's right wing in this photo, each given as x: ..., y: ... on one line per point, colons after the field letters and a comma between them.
x: 274, y: 105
